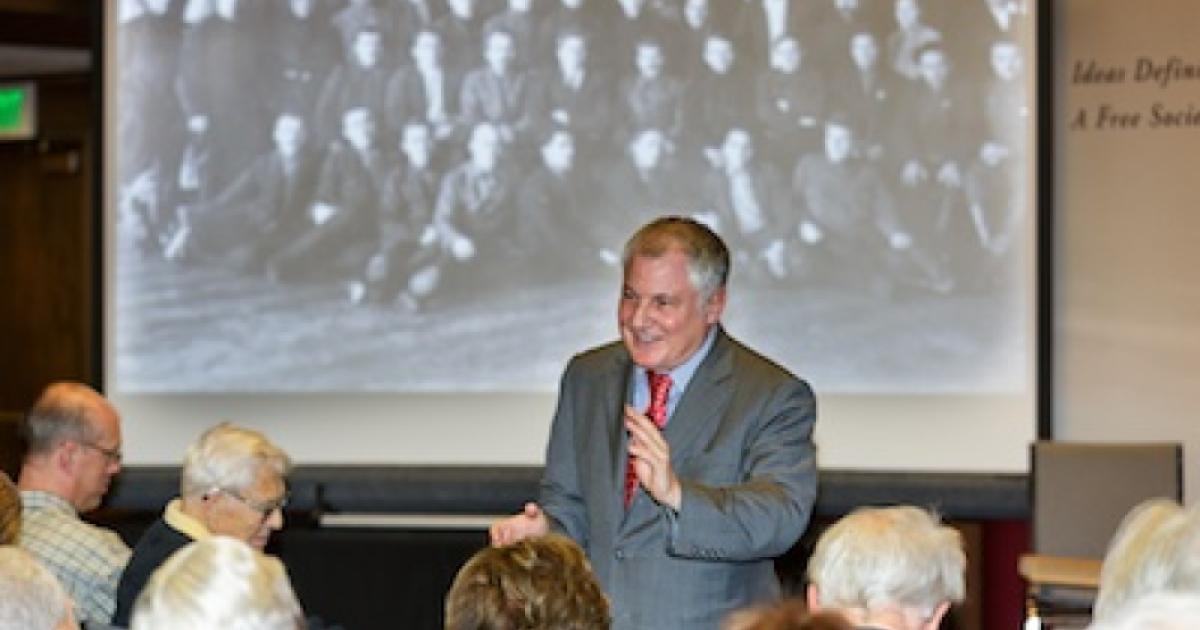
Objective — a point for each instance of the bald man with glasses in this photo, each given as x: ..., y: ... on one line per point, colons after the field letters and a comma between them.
x: 73, y: 437
x: 232, y: 484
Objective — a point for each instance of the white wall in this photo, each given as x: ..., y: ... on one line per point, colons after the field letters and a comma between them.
x: 1127, y: 215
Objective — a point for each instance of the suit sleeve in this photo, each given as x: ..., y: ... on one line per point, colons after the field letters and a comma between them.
x: 561, y: 496
x: 763, y: 515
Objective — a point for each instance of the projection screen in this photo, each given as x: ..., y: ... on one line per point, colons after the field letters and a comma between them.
x: 377, y: 230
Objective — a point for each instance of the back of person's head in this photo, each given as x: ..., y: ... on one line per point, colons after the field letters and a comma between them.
x: 229, y: 457
x: 537, y: 583
x: 10, y: 511
x: 218, y: 583
x: 30, y: 597
x: 899, y: 558
x: 1156, y: 549
x: 1159, y: 611
x: 64, y: 411
x: 787, y: 614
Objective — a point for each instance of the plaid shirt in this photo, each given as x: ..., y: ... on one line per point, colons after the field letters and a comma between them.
x: 86, y: 559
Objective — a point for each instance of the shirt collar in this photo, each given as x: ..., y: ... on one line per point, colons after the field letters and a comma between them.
x: 40, y: 499
x: 183, y: 522
x: 680, y: 376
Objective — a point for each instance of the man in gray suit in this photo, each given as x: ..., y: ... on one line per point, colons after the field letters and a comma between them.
x: 681, y: 523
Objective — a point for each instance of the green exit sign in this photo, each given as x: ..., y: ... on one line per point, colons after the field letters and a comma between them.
x: 17, y: 109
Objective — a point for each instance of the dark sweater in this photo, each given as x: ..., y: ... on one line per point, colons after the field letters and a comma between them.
x: 152, y: 549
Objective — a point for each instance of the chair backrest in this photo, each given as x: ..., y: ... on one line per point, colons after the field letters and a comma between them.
x: 1081, y: 491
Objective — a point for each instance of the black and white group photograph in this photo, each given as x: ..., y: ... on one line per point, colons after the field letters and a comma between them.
x: 432, y: 195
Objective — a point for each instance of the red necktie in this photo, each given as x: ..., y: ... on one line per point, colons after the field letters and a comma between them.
x: 660, y: 389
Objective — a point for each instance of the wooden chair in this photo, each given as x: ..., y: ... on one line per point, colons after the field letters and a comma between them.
x: 1079, y: 494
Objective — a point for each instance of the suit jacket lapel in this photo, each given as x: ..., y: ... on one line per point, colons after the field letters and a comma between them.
x: 699, y: 411
x: 616, y: 383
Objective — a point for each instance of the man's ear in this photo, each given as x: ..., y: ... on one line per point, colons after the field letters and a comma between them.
x: 714, y: 306
x: 814, y: 598
x: 64, y: 456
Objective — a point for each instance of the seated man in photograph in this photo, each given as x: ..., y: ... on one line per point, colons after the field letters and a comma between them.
x: 30, y: 597
x: 74, y: 440
x: 232, y: 484
x: 893, y: 568
x: 474, y: 216
x: 748, y: 206
x: 335, y: 239
x: 541, y: 582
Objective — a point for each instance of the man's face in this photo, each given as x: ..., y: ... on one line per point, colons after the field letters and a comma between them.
x: 301, y: 8
x: 696, y: 11
x: 157, y: 7
x: 416, y: 145
x: 785, y: 56
x: 649, y: 60
x: 499, y: 52
x: 252, y: 513
x: 933, y: 67
x: 864, y: 51
x: 661, y: 315
x: 358, y: 128
x: 907, y: 13
x: 367, y: 46
x: 462, y: 9
x: 520, y: 6
x: 288, y: 135
x: 571, y: 54
x: 837, y: 142
x: 1006, y: 60
x: 227, y: 8
x: 718, y: 54
x: 426, y: 49
x: 558, y: 152
x: 737, y: 149
x: 646, y: 149
x: 96, y: 461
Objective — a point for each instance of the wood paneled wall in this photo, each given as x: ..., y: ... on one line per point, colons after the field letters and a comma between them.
x: 48, y: 305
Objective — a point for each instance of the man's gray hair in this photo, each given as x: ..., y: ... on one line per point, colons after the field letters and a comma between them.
x: 30, y: 597
x: 62, y: 413
x: 229, y: 457
x: 218, y: 582
x: 1159, y: 611
x: 875, y: 558
x: 708, y: 258
x: 1156, y: 549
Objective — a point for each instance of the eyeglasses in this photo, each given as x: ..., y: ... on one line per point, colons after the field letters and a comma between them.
x: 266, y: 508
x: 113, y: 455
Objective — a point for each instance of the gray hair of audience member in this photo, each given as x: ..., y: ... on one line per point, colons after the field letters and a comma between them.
x: 875, y: 558
x: 1156, y: 549
x: 63, y: 412
x: 708, y: 258
x: 10, y: 511
x: 229, y: 457
x: 30, y: 597
x: 1158, y: 611
x: 218, y: 582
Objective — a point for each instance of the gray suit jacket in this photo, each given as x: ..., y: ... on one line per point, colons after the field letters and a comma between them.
x: 741, y: 445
